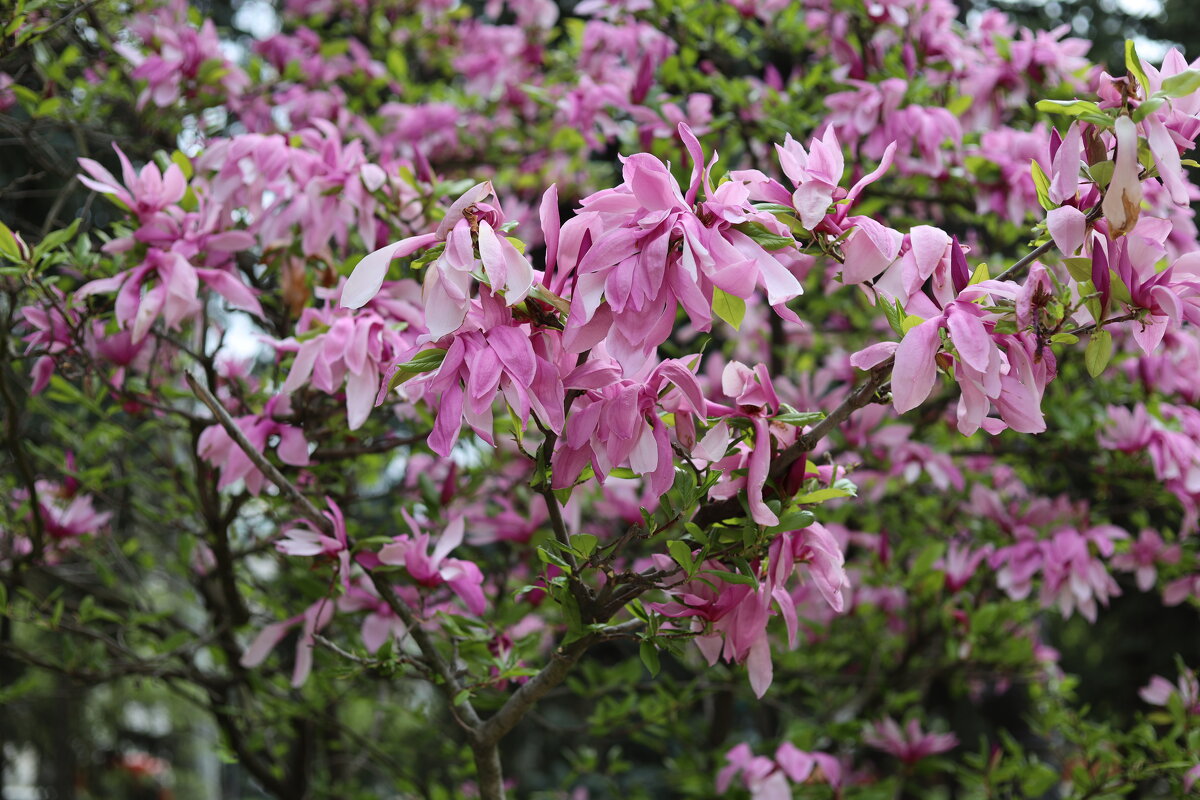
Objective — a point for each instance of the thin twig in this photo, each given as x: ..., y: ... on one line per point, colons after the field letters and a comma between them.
x: 449, y: 680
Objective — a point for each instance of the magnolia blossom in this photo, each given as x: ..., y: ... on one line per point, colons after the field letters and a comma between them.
x: 1123, y: 199
x: 731, y: 619
x: 315, y: 618
x: 218, y: 448
x: 469, y: 243
x: 435, y: 569
x: 144, y: 193
x: 1160, y: 691
x: 910, y: 744
x: 302, y: 539
x: 1143, y: 556
x: 768, y: 779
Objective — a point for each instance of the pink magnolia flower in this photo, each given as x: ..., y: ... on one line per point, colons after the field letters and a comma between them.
x: 909, y: 744
x: 218, y: 448
x: 300, y: 538
x: 178, y: 52
x: 1123, y: 198
x: 145, y: 193
x: 815, y: 173
x: 435, y: 569
x: 354, y: 348
x: 759, y: 774
x: 636, y: 252
x: 380, y: 622
x: 816, y: 547
x: 66, y: 513
x: 1160, y: 691
x: 506, y: 360
x: 754, y: 397
x: 1190, y: 777
x: 615, y: 420
x: 1143, y: 556
x: 51, y: 334
x: 1072, y: 577
x: 469, y: 243
x: 736, y: 617
x: 1181, y: 590
x: 808, y: 767
x: 960, y: 564
x: 314, y: 618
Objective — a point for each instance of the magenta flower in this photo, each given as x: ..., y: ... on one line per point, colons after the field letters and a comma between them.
x: 432, y: 570
x: 615, y: 421
x: 218, y: 448
x: 960, y: 564
x: 759, y: 775
x: 314, y: 618
x: 353, y: 348
x: 506, y: 360
x: 1144, y: 555
x: 1181, y: 590
x: 469, y: 244
x: 754, y: 397
x: 909, y: 744
x: 300, y: 538
x: 66, y: 514
x: 380, y: 622
x: 1160, y: 691
x: 145, y: 193
x: 1123, y: 199
x: 768, y: 779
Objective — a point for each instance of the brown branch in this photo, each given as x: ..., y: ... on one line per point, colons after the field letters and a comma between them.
x: 450, y: 684
x: 289, y: 490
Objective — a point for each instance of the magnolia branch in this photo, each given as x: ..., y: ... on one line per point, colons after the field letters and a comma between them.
x: 401, y: 609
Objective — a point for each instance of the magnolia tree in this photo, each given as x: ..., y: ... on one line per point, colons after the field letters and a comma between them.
x: 403, y: 399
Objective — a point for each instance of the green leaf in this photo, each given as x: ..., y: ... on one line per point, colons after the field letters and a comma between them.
x: 552, y: 558
x: 584, y: 543
x: 1099, y: 352
x: 929, y: 554
x: 1133, y: 65
x: 682, y: 553
x: 728, y: 307
x: 764, y: 238
x: 1181, y: 84
x: 1080, y: 267
x: 960, y: 104
x: 910, y: 321
x: 1102, y: 173
x: 54, y: 239
x: 1072, y: 108
x: 821, y: 495
x: 649, y: 656
x: 893, y: 312
x: 183, y: 162
x: 1148, y: 107
x: 731, y: 577
x: 48, y: 106
x: 980, y: 275
x: 1037, y: 779
x: 422, y: 362
x: 462, y: 696
x: 1042, y: 183
x: 791, y: 416
x: 8, y: 243
x: 1064, y: 338
x: 794, y: 520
